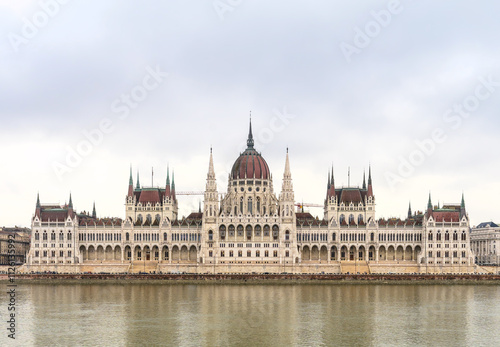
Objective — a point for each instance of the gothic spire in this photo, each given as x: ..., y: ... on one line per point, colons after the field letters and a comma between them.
x: 250, y: 142
x: 462, y: 206
x: 211, y: 171
x: 409, y: 210
x: 429, y: 203
x: 370, y: 188
x: 287, y: 172
x: 364, y: 182
x: 37, y: 200
x: 138, y: 185
x: 130, y: 180
x: 94, y: 214
x: 70, y: 205
x: 168, y: 176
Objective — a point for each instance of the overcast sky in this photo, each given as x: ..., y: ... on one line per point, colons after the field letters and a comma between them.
x: 410, y: 87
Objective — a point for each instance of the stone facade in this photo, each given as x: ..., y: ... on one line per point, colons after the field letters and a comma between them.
x: 484, y: 239
x: 251, y: 229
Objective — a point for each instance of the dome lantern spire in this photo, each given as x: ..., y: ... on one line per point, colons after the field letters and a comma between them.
x: 250, y: 142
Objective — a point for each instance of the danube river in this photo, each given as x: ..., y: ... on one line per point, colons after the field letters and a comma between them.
x: 133, y: 314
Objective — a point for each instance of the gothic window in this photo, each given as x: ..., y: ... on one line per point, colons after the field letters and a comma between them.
x: 287, y: 210
x: 241, y: 205
x: 275, y: 231
x: 447, y: 236
x: 139, y: 219
x: 127, y: 237
x: 464, y: 236
x: 157, y: 218
x: 258, y: 205
x: 430, y: 236
x: 69, y: 236
x: 334, y: 236
x: 250, y: 206
x: 240, y: 230
x: 266, y: 230
x: 342, y: 219
x: 287, y: 235
x: 258, y: 230
x: 351, y: 218
x: 438, y: 237
x: 249, y: 232
x: 37, y: 236
x: 149, y: 220
x: 264, y: 210
x: 165, y: 237
x: 372, y: 237
x: 360, y: 219
x: 61, y: 236
x: 222, y: 231
x: 235, y: 210
x: 231, y: 230
x: 455, y: 236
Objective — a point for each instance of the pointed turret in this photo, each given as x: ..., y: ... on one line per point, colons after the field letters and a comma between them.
x: 462, y: 207
x: 287, y: 199
x: 138, y: 185
x: 331, y: 191
x: 70, y: 207
x: 38, y: 205
x: 211, y: 171
x: 94, y: 214
x: 130, y: 184
x: 364, y: 182
x: 172, y: 193
x: 409, y: 210
x: 429, y: 206
x: 370, y: 188
x: 167, y: 184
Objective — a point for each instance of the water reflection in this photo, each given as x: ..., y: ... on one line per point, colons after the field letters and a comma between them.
x: 258, y: 315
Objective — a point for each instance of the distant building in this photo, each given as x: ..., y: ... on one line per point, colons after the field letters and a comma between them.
x: 20, y: 238
x: 484, y: 240
x: 251, y: 229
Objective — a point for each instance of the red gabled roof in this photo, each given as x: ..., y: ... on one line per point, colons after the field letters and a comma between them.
x: 350, y: 195
x: 446, y: 216
x: 149, y: 195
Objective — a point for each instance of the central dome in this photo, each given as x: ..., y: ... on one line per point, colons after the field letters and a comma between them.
x: 250, y: 164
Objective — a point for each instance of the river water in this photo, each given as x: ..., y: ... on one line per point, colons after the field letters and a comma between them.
x: 136, y: 314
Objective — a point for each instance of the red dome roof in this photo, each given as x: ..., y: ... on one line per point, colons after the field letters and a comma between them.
x: 250, y: 164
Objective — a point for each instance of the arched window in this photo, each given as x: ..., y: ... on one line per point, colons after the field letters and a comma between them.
x: 165, y: 237
x: 287, y: 236
x: 266, y: 230
x: 342, y: 219
x: 240, y: 230
x: 430, y: 236
x: 455, y: 236
x: 139, y: 219
x: 438, y: 236
x: 249, y: 231
x: 231, y: 230
x: 61, y: 236
x: 372, y: 237
x: 351, y: 218
x: 464, y: 236
x: 37, y: 236
x: 275, y: 232
x: 447, y: 236
x: 149, y: 220
x: 210, y: 235
x: 222, y: 231
x: 360, y: 219
x: 235, y: 210
x: 258, y: 230
x: 127, y: 237
x: 157, y: 218
x: 258, y: 206
x: 250, y: 206
x: 241, y: 205
x: 334, y: 236
x: 69, y: 236
x: 52, y: 236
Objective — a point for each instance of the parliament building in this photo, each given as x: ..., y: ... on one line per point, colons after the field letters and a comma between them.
x: 250, y: 229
